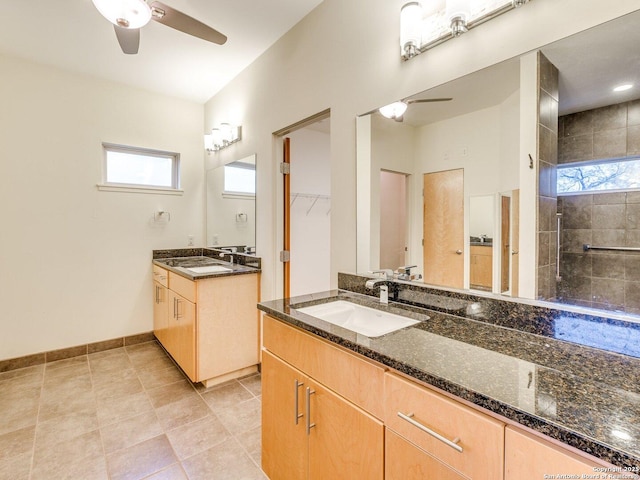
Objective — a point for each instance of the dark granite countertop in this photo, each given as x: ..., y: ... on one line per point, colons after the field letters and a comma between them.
x: 583, y: 396
x: 180, y: 260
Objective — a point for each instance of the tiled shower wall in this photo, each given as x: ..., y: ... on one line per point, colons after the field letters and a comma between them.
x: 601, y: 279
x: 547, y: 162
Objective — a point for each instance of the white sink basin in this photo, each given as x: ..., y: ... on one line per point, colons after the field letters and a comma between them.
x: 210, y: 269
x: 367, y: 321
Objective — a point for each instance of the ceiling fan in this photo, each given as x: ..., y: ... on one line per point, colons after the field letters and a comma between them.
x: 395, y: 111
x: 128, y: 16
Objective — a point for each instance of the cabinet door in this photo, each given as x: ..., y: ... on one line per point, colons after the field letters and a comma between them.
x: 405, y: 461
x: 527, y: 456
x: 181, y: 336
x: 344, y: 441
x: 160, y: 311
x: 284, y: 438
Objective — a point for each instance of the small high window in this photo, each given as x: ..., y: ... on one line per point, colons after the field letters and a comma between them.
x: 599, y: 176
x: 134, y: 167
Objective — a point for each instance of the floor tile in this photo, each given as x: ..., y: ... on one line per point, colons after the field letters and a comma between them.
x: 226, y: 461
x: 253, y: 384
x: 126, y: 413
x: 173, y: 472
x: 141, y: 460
x: 16, y: 443
x: 115, y: 409
x: 130, y: 431
x: 241, y: 417
x: 195, y: 437
x: 226, y: 395
x: 179, y: 413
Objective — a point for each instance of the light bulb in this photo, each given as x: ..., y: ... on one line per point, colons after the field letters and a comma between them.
x: 393, y: 110
x: 410, y: 26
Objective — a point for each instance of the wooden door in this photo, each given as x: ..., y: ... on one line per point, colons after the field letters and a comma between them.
x: 284, y: 438
x: 405, y: 461
x: 286, y: 244
x: 443, y: 215
x: 505, y: 243
x: 345, y: 442
x: 182, y: 333
x: 515, y: 241
x: 160, y: 311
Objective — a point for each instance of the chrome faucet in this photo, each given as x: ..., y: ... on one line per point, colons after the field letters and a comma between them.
x: 384, y: 289
x: 404, y: 273
x: 222, y: 255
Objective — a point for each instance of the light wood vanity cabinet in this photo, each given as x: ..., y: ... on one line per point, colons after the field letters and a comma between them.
x: 466, y: 441
x: 529, y: 456
x: 208, y: 326
x: 481, y: 266
x: 310, y: 431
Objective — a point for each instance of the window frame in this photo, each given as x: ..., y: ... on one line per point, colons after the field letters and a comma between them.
x: 174, y: 189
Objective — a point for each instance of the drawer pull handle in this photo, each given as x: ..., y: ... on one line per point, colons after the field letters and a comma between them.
x: 309, y: 424
x: 452, y: 443
x: 297, y: 385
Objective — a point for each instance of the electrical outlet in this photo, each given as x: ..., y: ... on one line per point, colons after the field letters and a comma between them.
x: 190, y: 238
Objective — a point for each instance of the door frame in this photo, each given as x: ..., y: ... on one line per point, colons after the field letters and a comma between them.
x: 278, y: 198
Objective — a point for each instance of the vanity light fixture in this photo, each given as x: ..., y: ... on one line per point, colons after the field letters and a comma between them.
x: 458, y: 13
x: 125, y: 13
x: 410, y: 26
x: 422, y: 28
x: 222, y: 136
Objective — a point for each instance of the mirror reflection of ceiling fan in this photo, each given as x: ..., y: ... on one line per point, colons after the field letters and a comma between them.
x: 395, y: 111
x: 129, y: 16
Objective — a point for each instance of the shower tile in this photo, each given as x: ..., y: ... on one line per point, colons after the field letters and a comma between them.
x: 543, y: 249
x: 633, y: 216
x: 608, y: 266
x: 609, y: 216
x: 608, y: 238
x: 576, y: 124
x: 610, y: 143
x: 633, y: 197
x: 611, y: 117
x: 632, y: 294
x: 633, y: 113
x: 574, y: 239
x: 609, y: 198
x: 576, y: 148
x: 577, y: 211
x: 548, y: 77
x: 576, y: 265
x: 632, y: 238
x: 546, y: 186
x: 633, y: 140
x: 632, y: 268
x: 606, y: 290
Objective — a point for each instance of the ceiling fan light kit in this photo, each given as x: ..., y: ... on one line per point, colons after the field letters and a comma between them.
x: 128, y: 16
x: 125, y: 13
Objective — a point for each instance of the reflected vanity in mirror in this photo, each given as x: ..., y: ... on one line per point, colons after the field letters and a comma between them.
x: 231, y: 205
x: 506, y: 199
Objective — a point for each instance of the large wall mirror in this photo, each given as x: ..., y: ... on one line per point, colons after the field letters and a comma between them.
x: 231, y: 205
x: 457, y: 153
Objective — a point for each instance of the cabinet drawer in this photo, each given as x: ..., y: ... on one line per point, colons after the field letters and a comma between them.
x: 528, y: 456
x: 183, y: 286
x: 405, y: 461
x: 480, y: 437
x: 355, y: 378
x: 161, y: 275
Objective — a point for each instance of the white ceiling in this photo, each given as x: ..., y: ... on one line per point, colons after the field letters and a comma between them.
x: 72, y: 35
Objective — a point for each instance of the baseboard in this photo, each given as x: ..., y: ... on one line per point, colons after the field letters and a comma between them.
x: 61, y: 354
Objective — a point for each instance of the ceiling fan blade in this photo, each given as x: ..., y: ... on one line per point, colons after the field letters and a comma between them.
x: 173, y: 18
x: 427, y: 100
x: 128, y: 38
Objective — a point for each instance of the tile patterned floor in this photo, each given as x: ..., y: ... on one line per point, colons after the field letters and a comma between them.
x: 126, y: 414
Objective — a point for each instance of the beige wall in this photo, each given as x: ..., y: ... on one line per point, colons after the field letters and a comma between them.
x: 75, y: 262
x: 345, y: 56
